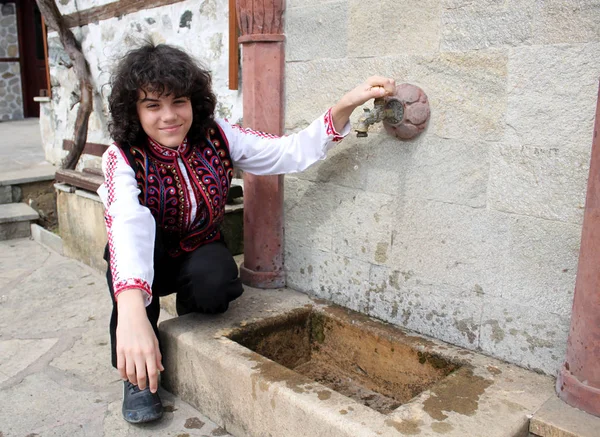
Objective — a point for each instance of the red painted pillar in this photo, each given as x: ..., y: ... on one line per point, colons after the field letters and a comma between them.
x: 578, y: 383
x: 263, y: 64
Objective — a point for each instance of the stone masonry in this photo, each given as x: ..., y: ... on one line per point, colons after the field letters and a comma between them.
x: 11, y: 94
x: 469, y: 233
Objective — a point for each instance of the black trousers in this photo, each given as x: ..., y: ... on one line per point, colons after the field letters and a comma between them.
x: 205, y: 281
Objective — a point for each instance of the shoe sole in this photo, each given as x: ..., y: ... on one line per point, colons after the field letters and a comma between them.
x: 149, y: 414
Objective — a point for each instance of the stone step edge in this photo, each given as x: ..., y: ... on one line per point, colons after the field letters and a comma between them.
x: 21, y: 212
x: 47, y: 239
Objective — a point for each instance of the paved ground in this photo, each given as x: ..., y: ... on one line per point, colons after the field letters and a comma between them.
x: 21, y: 145
x: 55, y: 375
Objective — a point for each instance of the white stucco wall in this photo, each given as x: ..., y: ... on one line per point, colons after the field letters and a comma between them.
x: 199, y: 27
x: 471, y: 232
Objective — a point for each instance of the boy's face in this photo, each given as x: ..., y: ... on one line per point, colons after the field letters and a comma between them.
x: 166, y: 118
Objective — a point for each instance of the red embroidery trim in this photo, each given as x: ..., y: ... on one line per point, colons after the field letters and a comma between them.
x: 254, y: 132
x: 330, y: 129
x: 118, y: 285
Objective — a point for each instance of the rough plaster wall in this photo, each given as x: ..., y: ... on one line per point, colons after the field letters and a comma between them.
x: 471, y: 232
x: 199, y: 27
x: 11, y: 92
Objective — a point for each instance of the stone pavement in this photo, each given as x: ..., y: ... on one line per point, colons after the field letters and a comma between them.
x: 21, y: 146
x: 55, y: 373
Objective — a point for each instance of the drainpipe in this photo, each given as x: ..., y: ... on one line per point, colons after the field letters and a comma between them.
x: 263, y: 63
x: 578, y: 382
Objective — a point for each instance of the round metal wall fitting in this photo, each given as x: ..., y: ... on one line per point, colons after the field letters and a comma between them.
x: 415, y: 115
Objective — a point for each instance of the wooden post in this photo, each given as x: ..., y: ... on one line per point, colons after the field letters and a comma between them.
x: 234, y: 53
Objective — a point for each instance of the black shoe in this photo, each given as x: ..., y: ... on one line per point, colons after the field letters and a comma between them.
x: 140, y: 406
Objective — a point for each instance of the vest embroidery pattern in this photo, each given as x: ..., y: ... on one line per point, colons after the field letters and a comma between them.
x: 185, y: 189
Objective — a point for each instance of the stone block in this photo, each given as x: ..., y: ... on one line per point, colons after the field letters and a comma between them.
x: 447, y: 313
x: 10, y: 231
x: 327, y: 275
x: 450, y: 245
x: 389, y: 27
x: 485, y: 24
x: 521, y: 333
x: 558, y: 419
x: 317, y: 31
x: 82, y: 228
x: 557, y: 21
x: 309, y: 212
x: 6, y: 194
x: 544, y: 182
x: 362, y: 227
x: 552, y: 93
x: 541, y: 264
x: 300, y: 264
x: 346, y: 164
x: 450, y: 171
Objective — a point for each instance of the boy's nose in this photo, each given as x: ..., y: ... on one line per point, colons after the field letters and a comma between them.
x: 169, y: 114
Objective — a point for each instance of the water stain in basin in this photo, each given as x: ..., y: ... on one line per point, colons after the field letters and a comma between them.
x: 406, y: 427
x: 458, y: 393
x: 324, y: 395
x: 441, y: 427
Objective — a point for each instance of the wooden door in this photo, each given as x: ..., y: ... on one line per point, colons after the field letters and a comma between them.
x: 33, y: 56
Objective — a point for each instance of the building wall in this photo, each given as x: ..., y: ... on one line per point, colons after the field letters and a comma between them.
x: 199, y: 27
x: 11, y: 92
x: 471, y: 232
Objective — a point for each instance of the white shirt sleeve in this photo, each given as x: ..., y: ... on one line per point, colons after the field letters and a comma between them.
x: 130, y: 226
x: 264, y: 154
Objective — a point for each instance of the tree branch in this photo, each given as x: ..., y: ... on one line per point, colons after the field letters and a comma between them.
x: 55, y: 21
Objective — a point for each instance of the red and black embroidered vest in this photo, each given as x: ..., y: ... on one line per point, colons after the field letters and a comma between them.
x: 185, y: 189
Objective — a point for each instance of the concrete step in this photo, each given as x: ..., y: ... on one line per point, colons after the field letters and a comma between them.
x: 15, y: 220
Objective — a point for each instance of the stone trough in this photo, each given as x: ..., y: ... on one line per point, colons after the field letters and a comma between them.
x: 280, y: 364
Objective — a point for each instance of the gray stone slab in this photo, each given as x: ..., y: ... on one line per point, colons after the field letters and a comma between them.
x: 39, y: 173
x: 55, y: 374
x: 17, y: 212
x: 16, y: 355
x: 558, y: 419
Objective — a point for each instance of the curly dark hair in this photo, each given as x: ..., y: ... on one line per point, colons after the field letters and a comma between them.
x: 163, y: 69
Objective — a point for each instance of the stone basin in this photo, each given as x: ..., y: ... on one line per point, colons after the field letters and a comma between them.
x: 367, y: 362
x: 280, y: 364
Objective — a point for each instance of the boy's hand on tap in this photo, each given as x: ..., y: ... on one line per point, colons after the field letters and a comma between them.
x: 374, y: 87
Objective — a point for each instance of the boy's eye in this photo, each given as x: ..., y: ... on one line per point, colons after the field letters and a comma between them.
x: 179, y: 101
x: 152, y: 105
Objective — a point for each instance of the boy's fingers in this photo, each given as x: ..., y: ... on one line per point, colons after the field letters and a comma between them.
x: 121, y: 366
x: 140, y: 367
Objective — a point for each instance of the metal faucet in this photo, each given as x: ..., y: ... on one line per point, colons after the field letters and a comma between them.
x: 391, y: 112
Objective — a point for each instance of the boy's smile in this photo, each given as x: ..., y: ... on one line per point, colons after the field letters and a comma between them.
x: 165, y: 118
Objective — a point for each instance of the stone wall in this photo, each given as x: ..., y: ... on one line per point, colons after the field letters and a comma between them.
x: 11, y: 92
x: 200, y: 27
x: 471, y: 232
